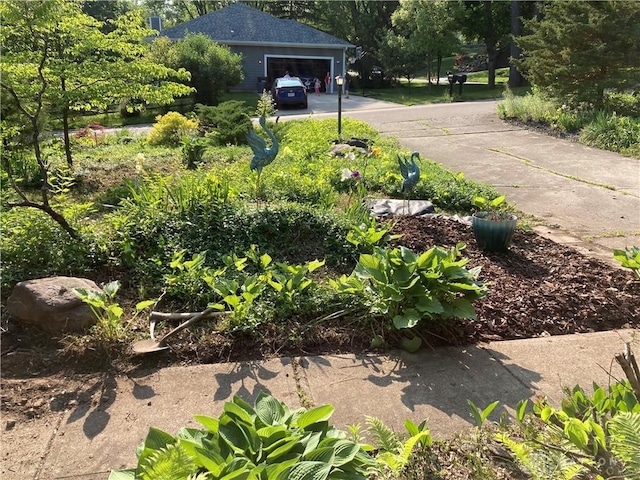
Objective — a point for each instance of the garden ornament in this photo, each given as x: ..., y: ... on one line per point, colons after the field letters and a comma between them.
x: 410, y: 172
x: 262, y: 155
x: 152, y: 345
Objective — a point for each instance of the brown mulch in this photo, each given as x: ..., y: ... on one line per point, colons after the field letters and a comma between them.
x: 537, y: 288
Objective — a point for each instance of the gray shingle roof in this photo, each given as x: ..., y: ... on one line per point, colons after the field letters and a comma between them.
x: 240, y: 24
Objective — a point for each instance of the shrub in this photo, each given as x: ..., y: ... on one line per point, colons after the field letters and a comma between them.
x: 169, y: 129
x: 529, y: 108
x: 192, y: 152
x: 225, y: 124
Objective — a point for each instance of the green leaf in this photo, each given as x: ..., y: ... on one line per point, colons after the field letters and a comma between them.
x: 111, y: 288
x: 314, y: 265
x: 269, y: 410
x: 210, y: 423
x: 429, y: 305
x: 237, y: 412
x: 325, y: 455
x: 315, y: 415
x: 521, y: 409
x: 122, y: 475
x: 410, y: 344
x: 157, y: 439
x: 144, y: 304
x: 309, y: 471
x: 577, y: 433
x: 345, y: 452
x: 408, y: 319
x: 462, y: 308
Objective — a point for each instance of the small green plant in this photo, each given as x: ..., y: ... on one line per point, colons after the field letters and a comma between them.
x: 598, y: 434
x: 629, y: 258
x: 171, y: 128
x: 108, y: 312
x: 266, y: 105
x: 192, y: 152
x: 370, y: 234
x: 395, y: 452
x: 494, y: 208
x: 268, y: 441
x: 480, y: 416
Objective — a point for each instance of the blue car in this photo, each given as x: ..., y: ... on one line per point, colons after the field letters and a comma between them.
x: 289, y: 91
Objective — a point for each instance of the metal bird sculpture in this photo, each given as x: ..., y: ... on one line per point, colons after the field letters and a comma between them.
x: 410, y: 172
x: 262, y: 155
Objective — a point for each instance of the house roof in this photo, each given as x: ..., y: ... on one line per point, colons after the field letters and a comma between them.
x: 240, y: 24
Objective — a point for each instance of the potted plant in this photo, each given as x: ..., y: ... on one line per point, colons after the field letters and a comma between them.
x: 493, y: 227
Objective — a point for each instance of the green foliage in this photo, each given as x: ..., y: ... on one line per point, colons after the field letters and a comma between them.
x: 527, y: 108
x: 225, y: 124
x: 192, y: 152
x: 109, y: 326
x: 611, y: 132
x: 407, y: 288
x: 394, y: 452
x: 629, y: 258
x: 171, y: 128
x: 480, y: 416
x: 370, y: 234
x: 597, y: 434
x: 554, y: 57
x: 213, y: 67
x: 264, y: 442
x: 266, y: 105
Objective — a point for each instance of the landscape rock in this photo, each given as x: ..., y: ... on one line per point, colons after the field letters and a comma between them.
x: 50, y: 304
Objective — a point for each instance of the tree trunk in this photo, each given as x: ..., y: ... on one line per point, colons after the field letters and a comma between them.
x: 515, y: 78
x: 65, y: 133
x: 439, y: 68
x: 490, y: 40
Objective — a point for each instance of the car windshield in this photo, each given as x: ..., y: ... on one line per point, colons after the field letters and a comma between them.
x: 288, y: 82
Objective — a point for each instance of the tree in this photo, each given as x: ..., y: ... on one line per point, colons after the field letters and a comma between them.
x: 487, y: 21
x: 55, y: 59
x: 213, y: 67
x: 401, y: 57
x: 429, y: 29
x: 581, y: 48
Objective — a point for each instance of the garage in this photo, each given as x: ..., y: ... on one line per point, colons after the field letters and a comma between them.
x: 303, y: 67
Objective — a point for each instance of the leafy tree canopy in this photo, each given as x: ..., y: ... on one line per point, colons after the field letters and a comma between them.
x: 580, y: 48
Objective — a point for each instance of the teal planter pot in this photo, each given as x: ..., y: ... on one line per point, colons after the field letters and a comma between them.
x: 493, y: 234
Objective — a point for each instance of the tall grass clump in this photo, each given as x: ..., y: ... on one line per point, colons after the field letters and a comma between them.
x: 613, y: 132
x: 532, y: 107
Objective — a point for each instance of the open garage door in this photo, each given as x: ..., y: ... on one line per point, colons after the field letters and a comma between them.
x: 303, y: 67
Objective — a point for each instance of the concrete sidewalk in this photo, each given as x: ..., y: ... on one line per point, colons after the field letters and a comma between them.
x: 101, y: 433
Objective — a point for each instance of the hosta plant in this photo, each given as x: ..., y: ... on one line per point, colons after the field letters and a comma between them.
x: 268, y: 441
x: 408, y: 288
x: 629, y: 258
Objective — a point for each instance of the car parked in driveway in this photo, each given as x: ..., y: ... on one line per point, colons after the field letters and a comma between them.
x: 289, y: 91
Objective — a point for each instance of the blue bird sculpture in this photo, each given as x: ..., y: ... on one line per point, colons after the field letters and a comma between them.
x: 410, y: 172
x: 262, y: 155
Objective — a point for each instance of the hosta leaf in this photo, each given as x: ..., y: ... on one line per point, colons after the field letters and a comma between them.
x: 429, y: 305
x: 283, y: 449
x: 269, y: 410
x: 280, y: 470
x: 314, y: 265
x: 122, y: 475
x: 157, y: 439
x: 309, y: 471
x: 345, y: 452
x: 210, y: 423
x: 410, y: 344
x: 315, y: 415
x: 234, y: 437
x: 210, y: 460
x: 325, y: 455
x: 271, y: 434
x: 462, y: 308
x: 408, y: 319
x: 237, y: 412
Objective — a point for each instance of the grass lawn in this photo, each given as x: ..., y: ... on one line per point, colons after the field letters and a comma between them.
x: 419, y: 93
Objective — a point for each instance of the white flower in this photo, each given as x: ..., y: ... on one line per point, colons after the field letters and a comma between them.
x: 346, y: 175
x: 350, y: 156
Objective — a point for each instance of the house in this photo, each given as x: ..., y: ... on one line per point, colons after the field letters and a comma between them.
x: 270, y: 46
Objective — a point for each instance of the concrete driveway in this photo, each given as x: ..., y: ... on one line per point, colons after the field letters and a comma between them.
x: 579, y: 195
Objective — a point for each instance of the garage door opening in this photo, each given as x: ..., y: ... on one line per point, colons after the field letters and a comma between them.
x: 305, y: 68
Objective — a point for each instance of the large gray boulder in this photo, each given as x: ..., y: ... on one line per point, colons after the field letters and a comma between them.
x: 50, y: 304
